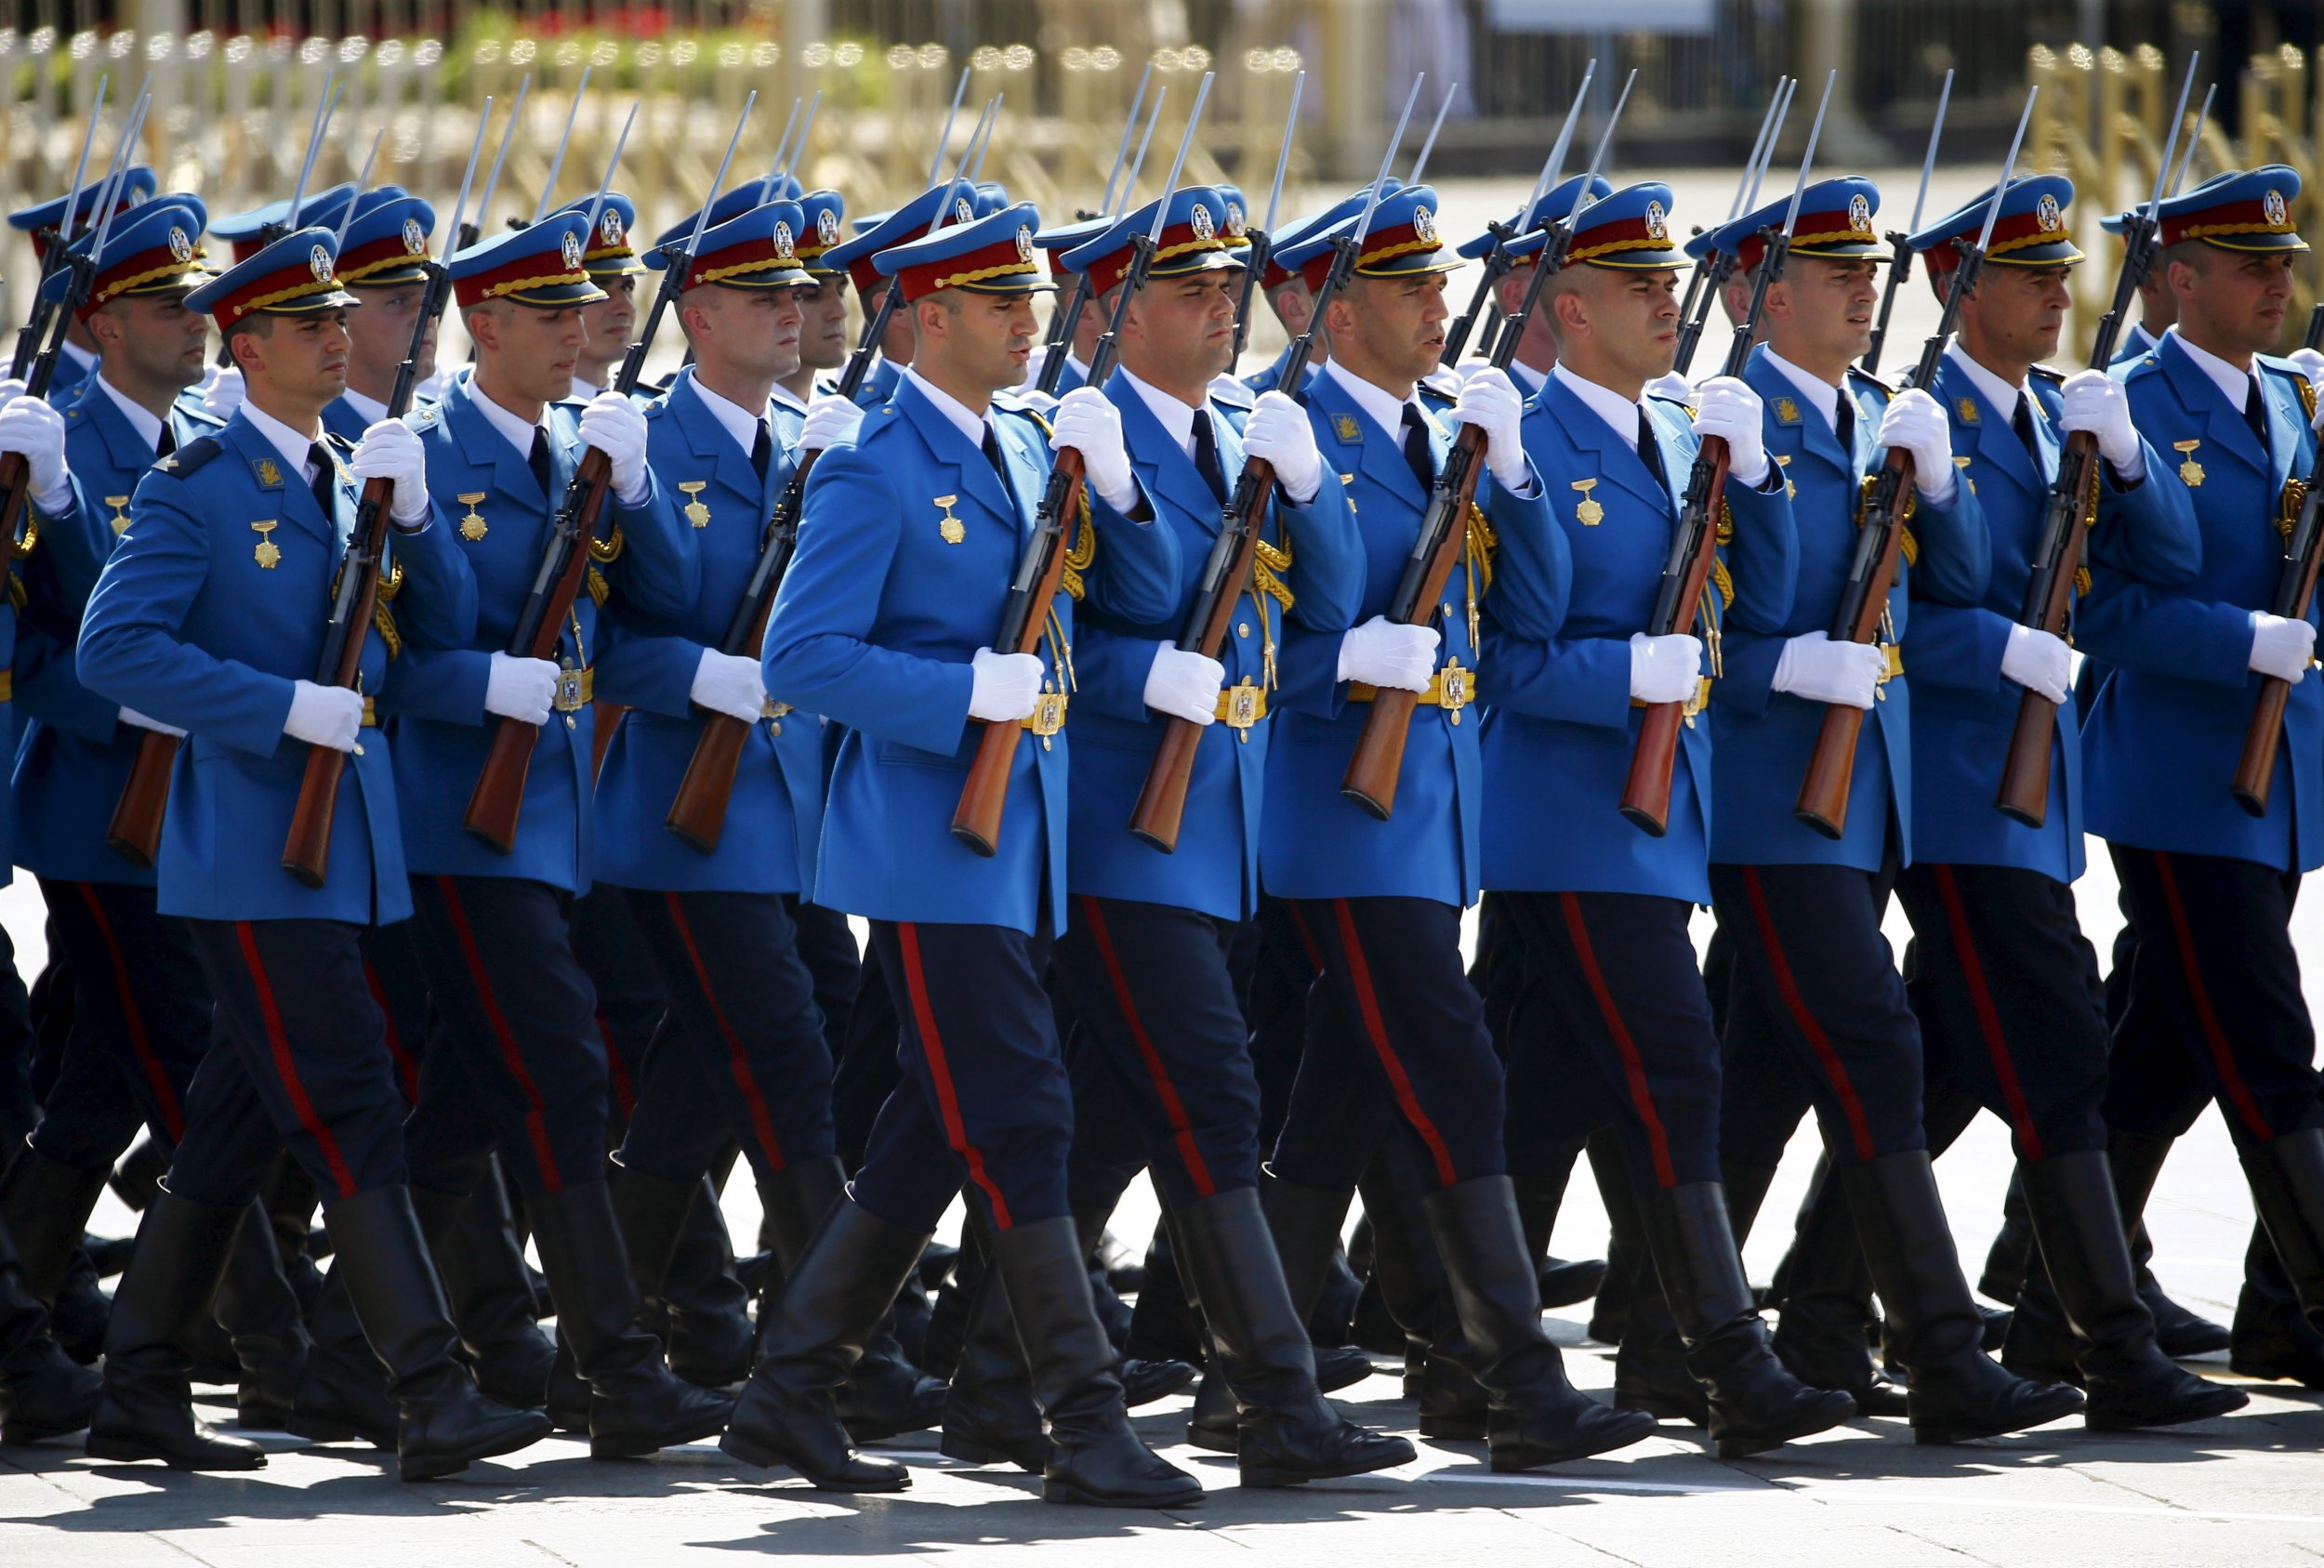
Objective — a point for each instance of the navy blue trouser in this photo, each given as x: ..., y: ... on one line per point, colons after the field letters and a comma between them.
x: 304, y: 1065
x: 2215, y: 968
x: 2009, y: 1005
x: 744, y: 1004
x: 632, y: 1012
x: 1394, y: 1034
x: 1812, y: 970
x: 1153, y: 988
x: 513, y: 1005
x: 140, y: 1023
x: 982, y: 1101
x: 1620, y: 994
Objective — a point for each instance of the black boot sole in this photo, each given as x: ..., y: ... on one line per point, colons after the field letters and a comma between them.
x: 1452, y: 1428
x: 977, y: 1451
x: 767, y: 1458
x: 2300, y: 1370
x: 636, y: 1445
x: 2215, y: 1402
x: 431, y: 1466
x: 1662, y: 1408
x: 130, y: 1450
x: 1057, y: 1491
x: 1265, y: 1477
x: 1510, y: 1459
x: 1819, y: 1417
x: 316, y: 1430
x: 1955, y: 1433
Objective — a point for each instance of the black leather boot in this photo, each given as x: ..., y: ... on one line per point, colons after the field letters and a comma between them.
x: 2273, y: 1337
x: 637, y: 1404
x: 146, y: 1410
x: 2004, y: 1272
x: 1094, y: 1457
x: 43, y: 1392
x: 1565, y: 1281
x: 473, y: 1239
x: 259, y: 1311
x: 948, y: 1314
x: 989, y: 1413
x: 1955, y: 1391
x: 1825, y: 1297
x: 1625, y: 1244
x: 1289, y: 1431
x: 343, y: 1388
x: 289, y: 1200
x: 443, y: 1423
x: 1755, y: 1402
x: 2087, y: 1274
x: 1411, y: 1279
x: 835, y: 1294
x: 1164, y: 1325
x: 45, y: 1203
x: 1535, y: 1415
x: 655, y: 1215
x: 710, y: 1334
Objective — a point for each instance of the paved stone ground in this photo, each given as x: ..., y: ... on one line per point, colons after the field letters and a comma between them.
x: 2249, y: 1488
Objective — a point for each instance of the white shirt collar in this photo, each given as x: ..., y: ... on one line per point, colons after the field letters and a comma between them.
x: 1384, y: 407
x: 1821, y: 394
x: 1999, y: 393
x: 2234, y: 385
x: 369, y: 410
x: 1175, y: 415
x: 149, y: 429
x: 289, y: 442
x: 736, y: 420
x: 963, y: 419
x: 514, y: 430
x: 1618, y: 411
x: 1528, y: 379
x: 782, y: 398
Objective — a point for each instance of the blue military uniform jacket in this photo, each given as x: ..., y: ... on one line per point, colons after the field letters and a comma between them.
x: 875, y: 627
x: 1264, y: 381
x: 880, y: 384
x: 75, y: 753
x: 340, y: 419
x: 1215, y: 868
x: 1563, y: 730
x: 1765, y: 737
x: 499, y: 521
x: 210, y: 606
x: 1963, y: 708
x: 1319, y: 843
x: 775, y: 814
x: 2163, y: 743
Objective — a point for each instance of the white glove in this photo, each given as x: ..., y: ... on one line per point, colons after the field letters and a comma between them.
x: 28, y: 426
x: 225, y: 394
x: 1815, y: 668
x: 1917, y: 423
x: 1665, y: 669
x: 2038, y: 660
x: 325, y: 716
x: 11, y: 388
x: 521, y: 689
x: 131, y: 716
x: 2097, y: 402
x: 730, y: 684
x: 1184, y: 685
x: 829, y: 422
x: 1726, y: 407
x: 392, y: 449
x: 1671, y: 385
x: 1389, y: 653
x: 2281, y: 647
x: 1491, y: 401
x: 2310, y: 363
x: 614, y: 426
x: 1279, y: 432
x: 1092, y: 426
x: 1005, y: 686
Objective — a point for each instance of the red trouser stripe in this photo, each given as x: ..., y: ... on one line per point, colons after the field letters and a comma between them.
x: 737, y: 1058
x: 1376, y: 1026
x: 1182, y: 1130
x: 1642, y: 1095
x: 616, y: 1070
x: 141, y: 1044
x: 286, y: 1067
x: 1988, y: 1016
x: 406, y: 1065
x: 2214, y: 1037
x: 1859, y: 1130
x: 511, y: 1054
x: 1307, y: 939
x: 940, y: 1071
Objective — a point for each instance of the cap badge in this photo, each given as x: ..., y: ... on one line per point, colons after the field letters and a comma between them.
x: 1424, y: 224
x: 828, y: 227
x: 569, y: 248
x: 181, y: 245
x: 2273, y: 204
x: 1200, y: 217
x: 1655, y: 227
x: 414, y: 238
x: 319, y: 263
x: 961, y: 211
x: 1860, y: 215
x: 1235, y: 220
x: 609, y: 227
x: 2046, y: 214
x: 1025, y: 243
x: 782, y: 239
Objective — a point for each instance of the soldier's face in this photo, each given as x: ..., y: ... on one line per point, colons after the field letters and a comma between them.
x: 1181, y: 330
x: 2019, y: 310
x: 380, y: 332
x: 1630, y: 320
x: 2234, y: 302
x: 303, y: 358
x: 533, y: 351
x: 754, y: 331
x: 823, y: 341
x: 984, y: 342
x: 1823, y: 311
x: 610, y: 319
x: 155, y: 339
x: 1395, y: 323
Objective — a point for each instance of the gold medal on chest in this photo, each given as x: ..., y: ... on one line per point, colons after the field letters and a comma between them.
x: 696, y: 512
x: 472, y: 526
x: 2190, y: 472
x: 1589, y: 513
x: 120, y: 520
x: 949, y: 528
x: 268, y: 554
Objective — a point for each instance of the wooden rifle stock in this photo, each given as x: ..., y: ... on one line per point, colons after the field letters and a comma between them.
x: 497, y: 801
x: 135, y: 832
x: 307, y: 848
x: 2295, y: 590
x: 1823, y: 802
x: 1161, y: 808
x: 2024, y: 795
x: 976, y: 820
x: 1647, y: 790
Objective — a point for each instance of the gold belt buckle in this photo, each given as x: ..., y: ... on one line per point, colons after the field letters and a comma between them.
x: 770, y: 709
x: 573, y: 689
x: 1047, y: 715
x: 1242, y: 706
x: 1699, y: 701
x: 1455, y: 689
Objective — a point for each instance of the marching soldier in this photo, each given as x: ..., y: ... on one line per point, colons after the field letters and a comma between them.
x: 78, y: 361
x: 613, y: 265
x: 823, y: 333
x: 1055, y: 244
x: 2209, y: 883
x: 874, y: 234
x: 385, y: 263
x: 203, y: 624
x: 880, y: 625
x: 514, y: 1009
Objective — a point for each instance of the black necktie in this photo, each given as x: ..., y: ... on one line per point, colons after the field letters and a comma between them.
x: 2256, y: 413
x: 2022, y: 423
x: 324, y: 479
x: 1843, y: 423
x: 1649, y: 450
x: 539, y: 458
x: 1000, y: 464
x: 1416, y: 454
x: 168, y: 443
x: 762, y: 452
x: 1206, y: 456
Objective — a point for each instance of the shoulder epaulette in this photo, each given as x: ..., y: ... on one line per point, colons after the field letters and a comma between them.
x: 2044, y: 372
x: 338, y: 444
x: 1857, y: 372
x: 191, y: 457
x: 1674, y: 402
x: 427, y: 415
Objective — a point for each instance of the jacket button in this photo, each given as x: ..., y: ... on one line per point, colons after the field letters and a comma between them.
x: 1242, y: 628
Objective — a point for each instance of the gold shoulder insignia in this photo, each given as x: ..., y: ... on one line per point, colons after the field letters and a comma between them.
x: 1966, y: 410
x: 1345, y: 429
x: 1787, y: 411
x: 269, y: 474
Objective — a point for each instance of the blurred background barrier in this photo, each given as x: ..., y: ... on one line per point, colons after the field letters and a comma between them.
x: 235, y: 83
